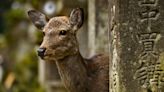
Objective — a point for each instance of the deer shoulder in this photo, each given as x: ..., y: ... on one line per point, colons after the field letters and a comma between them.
x: 98, y: 67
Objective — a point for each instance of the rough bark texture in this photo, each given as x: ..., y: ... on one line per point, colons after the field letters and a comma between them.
x: 137, y: 45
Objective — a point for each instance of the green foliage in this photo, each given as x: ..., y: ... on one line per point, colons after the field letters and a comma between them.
x: 39, y: 36
x: 14, y: 16
x: 34, y: 3
x: 26, y: 73
x: 26, y: 68
x: 2, y: 42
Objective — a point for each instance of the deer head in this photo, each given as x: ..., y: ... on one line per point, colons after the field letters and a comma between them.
x: 59, y: 34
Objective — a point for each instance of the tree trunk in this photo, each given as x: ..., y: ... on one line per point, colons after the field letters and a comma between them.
x: 137, y: 45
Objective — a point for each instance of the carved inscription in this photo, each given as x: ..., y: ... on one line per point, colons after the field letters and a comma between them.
x: 149, y: 73
x: 150, y: 12
x: 148, y: 41
x: 147, y: 2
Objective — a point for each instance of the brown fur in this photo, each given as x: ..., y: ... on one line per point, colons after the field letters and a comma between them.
x: 77, y: 73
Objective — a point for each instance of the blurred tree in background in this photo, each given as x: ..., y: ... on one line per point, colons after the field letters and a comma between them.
x: 17, y: 43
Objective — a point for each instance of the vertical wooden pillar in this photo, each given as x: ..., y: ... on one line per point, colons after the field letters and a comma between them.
x: 137, y: 45
x: 97, y: 26
x: 91, y: 27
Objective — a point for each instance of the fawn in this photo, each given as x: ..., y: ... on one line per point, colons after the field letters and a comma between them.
x: 60, y: 45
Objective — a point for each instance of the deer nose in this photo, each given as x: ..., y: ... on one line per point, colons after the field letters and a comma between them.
x: 41, y: 52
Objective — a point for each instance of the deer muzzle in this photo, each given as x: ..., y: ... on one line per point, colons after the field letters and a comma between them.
x: 41, y: 52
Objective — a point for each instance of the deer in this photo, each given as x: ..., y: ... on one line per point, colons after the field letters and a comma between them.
x: 60, y: 45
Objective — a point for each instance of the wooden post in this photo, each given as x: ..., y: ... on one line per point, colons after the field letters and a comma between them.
x: 91, y: 27
x: 137, y: 45
x: 97, y: 26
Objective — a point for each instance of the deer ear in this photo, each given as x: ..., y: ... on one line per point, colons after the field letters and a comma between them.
x: 77, y: 18
x: 38, y: 19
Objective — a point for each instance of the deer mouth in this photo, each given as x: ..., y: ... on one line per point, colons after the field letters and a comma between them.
x: 46, y: 56
x: 41, y: 56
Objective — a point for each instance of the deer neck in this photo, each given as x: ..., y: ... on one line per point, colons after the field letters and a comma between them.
x: 73, y: 73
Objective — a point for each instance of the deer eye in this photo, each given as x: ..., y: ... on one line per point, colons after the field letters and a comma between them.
x: 62, y: 32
